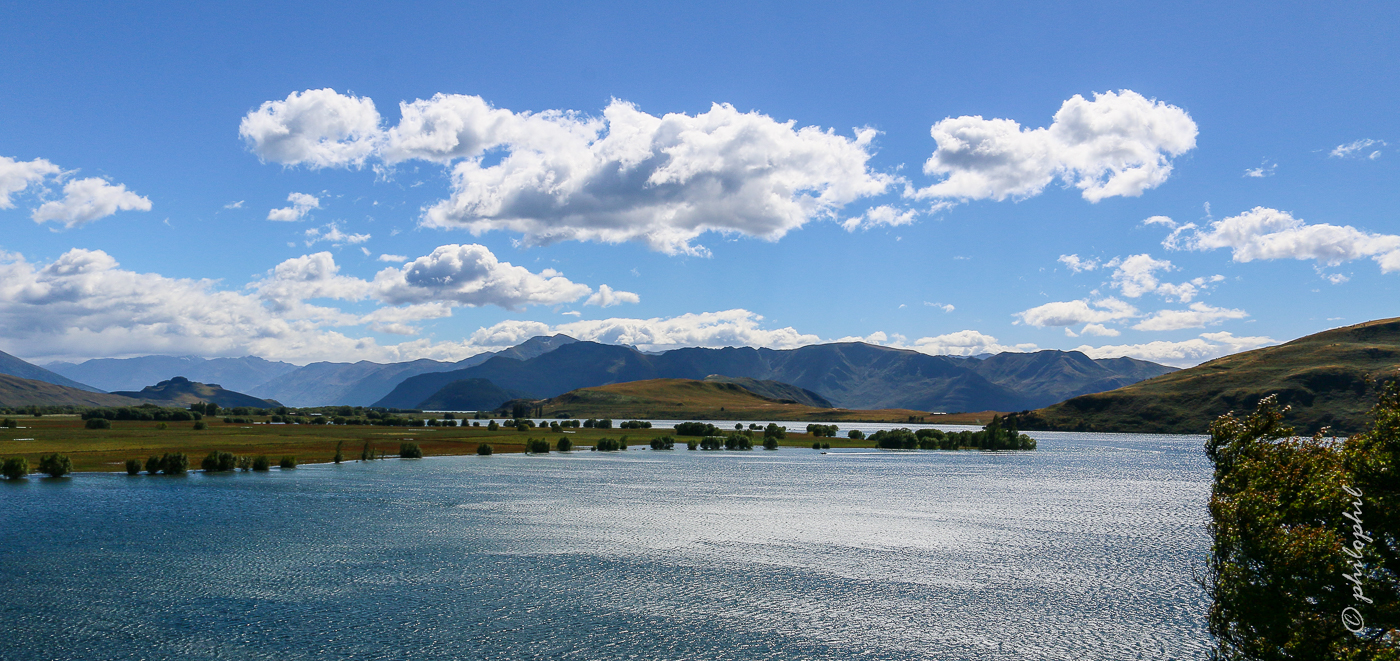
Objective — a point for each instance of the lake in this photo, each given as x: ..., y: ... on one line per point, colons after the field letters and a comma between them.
x: 1083, y: 549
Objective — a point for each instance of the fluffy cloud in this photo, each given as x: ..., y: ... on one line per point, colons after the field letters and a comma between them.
x: 15, y: 176
x: 706, y: 329
x: 391, y: 258
x: 471, y: 275
x: 1070, y: 313
x: 317, y: 128
x: 881, y: 215
x: 1119, y: 144
x: 86, y: 200
x: 1181, y: 354
x: 1098, y: 329
x: 1358, y: 148
x: 1077, y: 265
x: 607, y: 297
x: 964, y: 343
x: 1136, y: 275
x: 309, y: 277
x: 1199, y: 315
x: 627, y: 176
x: 301, y: 205
x: 1263, y: 233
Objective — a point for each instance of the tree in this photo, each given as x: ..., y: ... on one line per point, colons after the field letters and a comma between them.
x: 55, y: 465
x: 153, y: 465
x: 483, y: 449
x: 339, y: 452
x: 133, y: 466
x: 98, y: 423
x: 287, y: 462
x: 410, y: 451
x: 564, y: 444
x: 855, y: 435
x: 492, y: 426
x: 175, y: 463
x: 262, y: 463
x: 218, y: 462
x: 15, y: 468
x: 1305, y: 554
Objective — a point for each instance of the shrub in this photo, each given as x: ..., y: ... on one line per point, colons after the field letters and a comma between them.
x: 608, y: 445
x: 9, y: 423
x: 97, y: 423
x: 492, y: 426
x: 564, y: 444
x: 409, y: 451
x: 605, y: 423
x: 483, y: 449
x: 244, y: 462
x: 339, y: 452
x: 774, y: 431
x: 770, y: 444
x: 262, y: 463
x: 162, y: 425
x: 201, y: 425
x: 820, y: 431
x: 15, y: 468
x: 663, y: 443
x: 287, y: 462
x: 738, y: 442
x: 696, y: 429
x: 218, y: 462
x: 153, y: 465
x: 855, y: 435
x: 133, y: 466
x: 816, y: 446
x: 174, y: 463
x: 691, y: 445
x: 826, y: 446
x: 537, y: 446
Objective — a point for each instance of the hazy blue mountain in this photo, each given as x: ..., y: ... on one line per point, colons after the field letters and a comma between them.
x: 469, y: 395
x: 849, y: 375
x: 240, y: 374
x: 182, y: 392
x: 16, y: 367
x: 363, y: 383
x: 18, y: 391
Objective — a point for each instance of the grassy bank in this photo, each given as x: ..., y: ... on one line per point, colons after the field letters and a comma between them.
x: 108, y: 449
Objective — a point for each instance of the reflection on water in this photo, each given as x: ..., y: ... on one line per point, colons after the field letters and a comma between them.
x: 1080, y: 550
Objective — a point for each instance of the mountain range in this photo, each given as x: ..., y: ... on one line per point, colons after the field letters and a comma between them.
x: 25, y: 370
x: 1328, y: 379
x: 850, y: 375
x: 182, y: 392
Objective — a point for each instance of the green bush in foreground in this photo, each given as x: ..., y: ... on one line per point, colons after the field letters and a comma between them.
x: 244, y: 462
x: 770, y: 444
x: 55, y: 465
x: 537, y: 446
x: 98, y: 423
x: 816, y: 445
x: 201, y: 425
x: 15, y: 468
x: 133, y: 466
x: 692, y: 444
x: 564, y: 444
x: 339, y: 452
x: 410, y: 451
x: 663, y: 443
x: 483, y: 449
x: 608, y: 445
x: 262, y: 463
x: 1305, y: 555
x: 286, y: 462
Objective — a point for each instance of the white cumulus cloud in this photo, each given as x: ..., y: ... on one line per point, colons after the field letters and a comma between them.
x: 317, y: 128
x: 86, y: 200
x: 332, y: 234
x: 1119, y: 144
x: 1071, y: 313
x: 1181, y: 354
x: 1264, y: 233
x: 1198, y: 315
x: 301, y: 205
x: 607, y: 297
x: 15, y: 176
x: 1136, y: 275
x: 471, y: 275
x: 392, y: 258
x: 559, y: 175
x: 1077, y: 264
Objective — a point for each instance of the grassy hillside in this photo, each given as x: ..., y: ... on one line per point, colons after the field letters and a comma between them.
x: 182, y: 392
x: 688, y: 399
x: 1329, y: 379
x: 15, y: 391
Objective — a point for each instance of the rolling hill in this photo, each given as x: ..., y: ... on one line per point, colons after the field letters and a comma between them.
x: 851, y: 374
x: 1327, y: 378
x: 689, y: 399
x: 469, y: 395
x: 16, y: 391
x: 19, y: 368
x: 182, y: 392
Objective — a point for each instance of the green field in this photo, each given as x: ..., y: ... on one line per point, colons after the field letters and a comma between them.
x: 108, y: 449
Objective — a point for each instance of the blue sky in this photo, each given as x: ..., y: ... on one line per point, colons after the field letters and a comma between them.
x: 1171, y: 183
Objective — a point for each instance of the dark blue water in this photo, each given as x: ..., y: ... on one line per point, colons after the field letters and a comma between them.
x: 1083, y: 549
